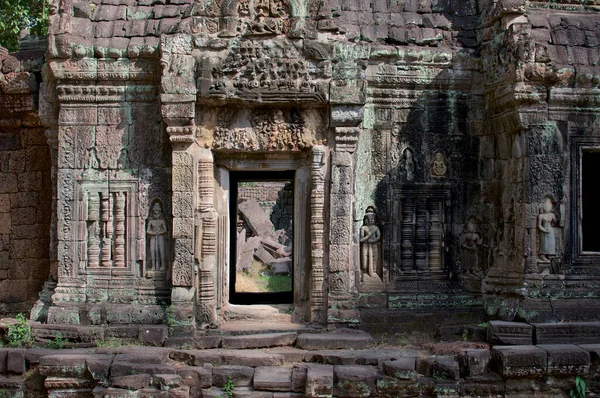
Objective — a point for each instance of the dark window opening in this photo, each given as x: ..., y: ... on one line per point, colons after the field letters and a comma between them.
x: 262, y: 235
x: 590, y: 198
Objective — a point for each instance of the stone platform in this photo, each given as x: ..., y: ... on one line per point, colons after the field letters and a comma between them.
x: 307, y: 362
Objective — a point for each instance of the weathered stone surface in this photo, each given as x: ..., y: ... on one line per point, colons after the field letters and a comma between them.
x: 259, y: 340
x: 474, y: 362
x: 63, y: 365
x: 354, y: 381
x: 520, y: 361
x: 15, y: 361
x: 510, y: 333
x: 256, y: 218
x: 249, y: 358
x: 319, y: 381
x: 336, y: 339
x: 132, y: 382
x: 273, y: 378
x: 153, y: 335
x: 566, y: 359
x: 552, y: 333
x: 401, y: 368
x: 439, y: 367
x: 196, y: 377
x: 240, y: 375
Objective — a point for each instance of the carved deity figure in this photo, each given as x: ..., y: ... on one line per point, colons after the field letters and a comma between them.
x: 438, y: 168
x: 470, y: 241
x: 157, y: 231
x: 409, y: 165
x: 545, y: 220
x: 370, y: 236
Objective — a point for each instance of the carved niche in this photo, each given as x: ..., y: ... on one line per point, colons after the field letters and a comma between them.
x: 107, y: 227
x: 254, y: 18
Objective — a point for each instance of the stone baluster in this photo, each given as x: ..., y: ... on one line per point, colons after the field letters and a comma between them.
x: 119, y: 255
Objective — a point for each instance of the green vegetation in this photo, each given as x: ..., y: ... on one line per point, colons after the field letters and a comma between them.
x: 578, y: 390
x: 22, y: 14
x: 171, y: 319
x: 19, y: 334
x: 259, y: 278
x: 228, y: 387
x: 58, y: 342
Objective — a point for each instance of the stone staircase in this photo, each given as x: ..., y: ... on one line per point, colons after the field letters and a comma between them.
x: 306, y: 363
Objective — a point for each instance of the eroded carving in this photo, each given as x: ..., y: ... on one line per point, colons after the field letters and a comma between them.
x: 546, y: 220
x: 156, y: 230
x: 370, y: 238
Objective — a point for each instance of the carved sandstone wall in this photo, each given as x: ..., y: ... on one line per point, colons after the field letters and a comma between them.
x: 25, y: 186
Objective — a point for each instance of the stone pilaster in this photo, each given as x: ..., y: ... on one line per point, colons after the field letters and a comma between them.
x: 178, y: 110
x: 342, y: 291
x: 317, y: 235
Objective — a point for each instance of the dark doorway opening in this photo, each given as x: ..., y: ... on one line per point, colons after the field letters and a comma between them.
x: 590, y: 197
x: 262, y: 225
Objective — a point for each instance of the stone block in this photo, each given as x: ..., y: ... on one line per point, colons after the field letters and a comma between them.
x: 319, y: 381
x: 354, y: 381
x: 167, y: 381
x: 566, y: 359
x: 519, y: 361
x: 256, y: 218
x: 241, y: 376
x: 585, y: 332
x: 474, y: 362
x: 3, y: 356
x: 401, y: 368
x: 63, y: 365
x: 259, y: 340
x: 154, y: 335
x: 273, y: 378
x: 335, y: 340
x: 439, y: 367
x: 510, y: 333
x: 250, y: 358
x: 132, y: 382
x: 551, y: 333
x: 196, y: 377
x: 15, y: 361
x: 99, y: 366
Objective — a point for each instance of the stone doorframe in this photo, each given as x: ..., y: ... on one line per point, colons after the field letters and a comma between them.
x: 301, y: 163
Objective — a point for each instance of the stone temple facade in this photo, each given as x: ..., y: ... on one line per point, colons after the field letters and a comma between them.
x: 441, y: 154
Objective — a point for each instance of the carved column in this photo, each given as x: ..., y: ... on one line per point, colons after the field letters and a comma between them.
x: 317, y: 235
x: 178, y: 101
x: 342, y: 298
x: 206, y: 240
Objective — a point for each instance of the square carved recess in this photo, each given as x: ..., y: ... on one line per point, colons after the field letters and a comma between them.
x: 107, y: 223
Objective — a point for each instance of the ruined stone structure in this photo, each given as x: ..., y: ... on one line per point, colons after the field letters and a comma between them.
x: 442, y: 155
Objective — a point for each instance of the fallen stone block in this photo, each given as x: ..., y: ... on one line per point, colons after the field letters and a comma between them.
x: 99, y: 365
x: 354, y: 381
x: 319, y: 381
x: 287, y: 395
x: 510, y: 333
x: 273, y: 378
x: 566, y: 359
x: 62, y: 365
x: 335, y: 340
x: 439, y: 367
x: 401, y: 368
x: 132, y: 382
x: 474, y: 362
x: 491, y: 385
x: 126, y: 368
x: 167, y: 381
x: 263, y: 340
x: 551, y: 333
x: 378, y: 357
x: 196, y: 377
x: 263, y: 255
x: 256, y: 218
x: 112, y: 392
x: 179, y: 392
x: 149, y: 392
x: 241, y: 376
x: 332, y: 357
x: 282, y: 266
x: 388, y: 386
x: 213, y: 392
x: 519, y: 361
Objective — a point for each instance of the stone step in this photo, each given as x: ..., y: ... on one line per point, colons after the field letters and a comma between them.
x: 262, y: 340
x: 338, y: 339
x: 253, y: 313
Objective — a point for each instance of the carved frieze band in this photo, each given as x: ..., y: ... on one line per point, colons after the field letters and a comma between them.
x: 317, y: 226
